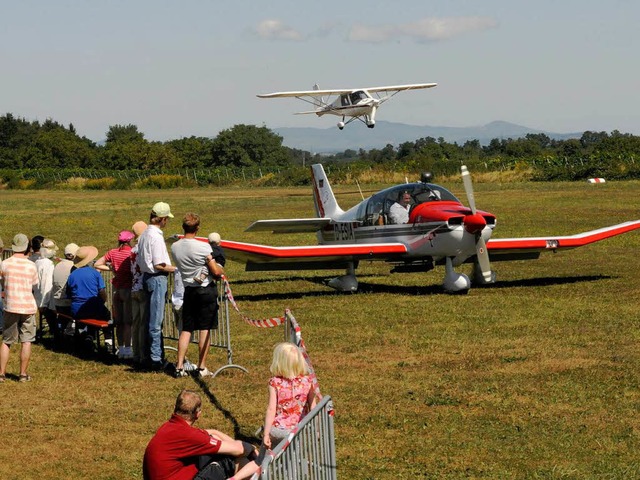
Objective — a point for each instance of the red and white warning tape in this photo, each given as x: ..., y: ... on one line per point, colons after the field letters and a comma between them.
x: 263, y: 323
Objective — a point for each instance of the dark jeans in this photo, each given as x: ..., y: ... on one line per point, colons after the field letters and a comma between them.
x: 215, y: 467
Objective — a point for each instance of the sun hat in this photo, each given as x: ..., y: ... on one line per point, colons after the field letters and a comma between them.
x: 71, y: 249
x: 162, y: 209
x: 48, y: 248
x: 84, y: 255
x: 125, y: 236
x: 214, y: 237
x: 20, y: 243
x: 139, y: 227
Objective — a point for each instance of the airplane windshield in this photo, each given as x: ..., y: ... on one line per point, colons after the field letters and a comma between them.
x: 378, y: 206
x: 357, y: 96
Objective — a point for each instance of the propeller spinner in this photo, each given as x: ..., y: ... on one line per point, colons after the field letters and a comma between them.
x: 474, y: 224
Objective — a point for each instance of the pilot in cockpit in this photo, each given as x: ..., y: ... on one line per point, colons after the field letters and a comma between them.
x: 399, y: 211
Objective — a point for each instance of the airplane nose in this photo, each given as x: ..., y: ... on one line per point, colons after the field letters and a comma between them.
x: 474, y: 223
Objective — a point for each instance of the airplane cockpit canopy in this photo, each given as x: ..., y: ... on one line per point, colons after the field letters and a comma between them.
x: 376, y: 210
x: 357, y: 96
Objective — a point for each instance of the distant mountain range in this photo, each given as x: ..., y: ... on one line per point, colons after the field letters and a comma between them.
x: 357, y: 136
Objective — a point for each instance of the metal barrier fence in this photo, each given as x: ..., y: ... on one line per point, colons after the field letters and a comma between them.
x: 309, y: 453
x: 220, y: 337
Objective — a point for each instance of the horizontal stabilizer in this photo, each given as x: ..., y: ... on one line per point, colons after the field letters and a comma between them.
x: 291, y: 225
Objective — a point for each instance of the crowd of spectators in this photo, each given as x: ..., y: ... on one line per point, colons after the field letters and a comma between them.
x: 71, y: 287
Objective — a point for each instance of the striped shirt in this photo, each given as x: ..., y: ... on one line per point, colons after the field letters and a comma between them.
x: 120, y: 260
x: 19, y: 275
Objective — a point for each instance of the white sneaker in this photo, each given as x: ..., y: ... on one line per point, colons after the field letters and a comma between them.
x: 204, y: 372
x: 188, y: 366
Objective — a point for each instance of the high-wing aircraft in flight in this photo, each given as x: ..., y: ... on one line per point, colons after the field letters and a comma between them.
x: 411, y: 226
x: 356, y: 103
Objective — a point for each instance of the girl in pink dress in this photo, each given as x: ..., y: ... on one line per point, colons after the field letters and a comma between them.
x: 291, y: 394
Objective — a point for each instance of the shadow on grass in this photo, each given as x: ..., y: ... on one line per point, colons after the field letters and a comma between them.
x: 416, y: 290
x: 238, y: 434
x: 78, y: 350
x: 546, y: 281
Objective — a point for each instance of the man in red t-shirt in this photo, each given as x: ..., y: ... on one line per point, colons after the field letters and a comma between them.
x: 180, y: 451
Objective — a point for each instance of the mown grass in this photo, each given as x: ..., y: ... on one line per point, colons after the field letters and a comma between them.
x: 533, y: 377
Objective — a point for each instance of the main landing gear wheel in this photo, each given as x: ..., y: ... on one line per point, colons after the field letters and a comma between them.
x: 341, y: 125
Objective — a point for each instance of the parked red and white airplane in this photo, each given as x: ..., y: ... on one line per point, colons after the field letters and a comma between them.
x: 356, y: 103
x: 436, y: 229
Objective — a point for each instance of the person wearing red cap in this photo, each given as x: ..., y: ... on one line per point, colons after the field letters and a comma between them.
x: 118, y: 260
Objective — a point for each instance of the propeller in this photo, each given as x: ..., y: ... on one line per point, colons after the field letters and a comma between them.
x: 474, y: 224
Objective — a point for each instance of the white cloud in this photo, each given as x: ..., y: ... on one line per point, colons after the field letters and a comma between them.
x: 276, y: 30
x: 426, y: 29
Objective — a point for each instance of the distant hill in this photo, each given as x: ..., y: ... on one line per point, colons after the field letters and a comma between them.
x: 357, y: 136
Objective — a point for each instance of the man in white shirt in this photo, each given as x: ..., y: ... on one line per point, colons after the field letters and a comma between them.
x: 155, y: 265
x: 399, y: 211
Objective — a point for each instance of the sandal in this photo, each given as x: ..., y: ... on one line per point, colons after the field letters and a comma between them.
x: 25, y: 378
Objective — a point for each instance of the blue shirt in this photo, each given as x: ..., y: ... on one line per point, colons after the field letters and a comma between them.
x: 83, y: 286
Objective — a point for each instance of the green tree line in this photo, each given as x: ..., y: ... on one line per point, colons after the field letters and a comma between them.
x: 28, y: 148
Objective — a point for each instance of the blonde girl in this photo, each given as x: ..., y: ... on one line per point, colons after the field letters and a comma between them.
x: 291, y: 394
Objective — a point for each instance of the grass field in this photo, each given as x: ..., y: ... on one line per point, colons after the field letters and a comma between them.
x: 537, y: 376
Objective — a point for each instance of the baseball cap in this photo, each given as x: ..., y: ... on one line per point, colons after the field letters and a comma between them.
x: 214, y: 237
x: 162, y: 209
x: 71, y: 249
x: 20, y: 243
x: 125, y: 236
x: 48, y: 248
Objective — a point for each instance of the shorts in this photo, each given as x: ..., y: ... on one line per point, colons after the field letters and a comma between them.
x: 19, y: 326
x: 221, y: 468
x: 200, y: 308
x: 121, y: 306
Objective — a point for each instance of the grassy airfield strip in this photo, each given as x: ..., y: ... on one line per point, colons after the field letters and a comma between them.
x: 534, y: 377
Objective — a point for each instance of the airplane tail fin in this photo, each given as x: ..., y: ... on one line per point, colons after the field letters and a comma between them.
x: 322, y: 99
x: 325, y: 200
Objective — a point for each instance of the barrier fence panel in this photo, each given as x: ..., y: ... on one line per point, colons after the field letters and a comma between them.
x: 220, y: 337
x: 309, y: 453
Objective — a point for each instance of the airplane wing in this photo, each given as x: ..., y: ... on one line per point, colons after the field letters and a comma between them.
x: 531, y: 247
x: 306, y: 93
x: 340, y: 91
x: 265, y: 257
x: 289, y: 225
x: 399, y: 88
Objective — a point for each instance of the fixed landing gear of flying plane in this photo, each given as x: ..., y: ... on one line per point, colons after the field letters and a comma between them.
x: 341, y: 125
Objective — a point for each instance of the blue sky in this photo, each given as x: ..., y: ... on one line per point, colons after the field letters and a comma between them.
x: 193, y: 67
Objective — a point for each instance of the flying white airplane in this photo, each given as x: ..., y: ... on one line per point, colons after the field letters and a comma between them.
x: 356, y: 103
x: 438, y: 229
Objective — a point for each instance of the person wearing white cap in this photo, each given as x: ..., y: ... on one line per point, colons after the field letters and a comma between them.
x: 45, y: 266
x: 18, y: 276
x: 155, y: 265
x: 59, y: 301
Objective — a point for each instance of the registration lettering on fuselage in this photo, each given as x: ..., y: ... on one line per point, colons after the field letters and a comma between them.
x: 343, y: 231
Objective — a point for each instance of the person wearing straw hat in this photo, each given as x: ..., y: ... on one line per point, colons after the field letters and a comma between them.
x: 86, y: 287
x: 18, y: 276
x: 155, y: 265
